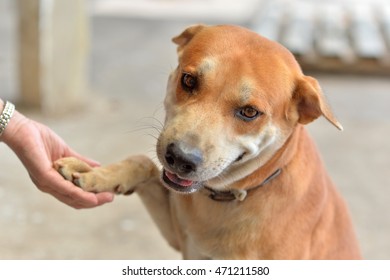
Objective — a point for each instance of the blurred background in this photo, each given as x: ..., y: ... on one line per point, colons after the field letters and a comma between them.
x: 95, y: 72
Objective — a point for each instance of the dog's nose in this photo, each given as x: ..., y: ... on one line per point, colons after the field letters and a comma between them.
x: 183, y: 159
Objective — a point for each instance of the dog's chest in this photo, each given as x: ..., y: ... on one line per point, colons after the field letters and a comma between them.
x: 216, y: 230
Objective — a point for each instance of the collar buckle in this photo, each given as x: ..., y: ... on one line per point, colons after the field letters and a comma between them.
x: 237, y: 194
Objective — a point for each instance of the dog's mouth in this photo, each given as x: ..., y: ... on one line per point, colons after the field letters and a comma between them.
x: 178, y: 184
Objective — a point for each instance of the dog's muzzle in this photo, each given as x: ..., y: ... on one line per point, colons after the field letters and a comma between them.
x: 181, y: 162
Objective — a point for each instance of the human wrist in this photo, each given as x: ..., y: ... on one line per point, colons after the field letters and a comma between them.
x: 9, y: 134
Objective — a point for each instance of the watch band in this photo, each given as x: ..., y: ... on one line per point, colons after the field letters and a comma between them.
x: 6, y: 115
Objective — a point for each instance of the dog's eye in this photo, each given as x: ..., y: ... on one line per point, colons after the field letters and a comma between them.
x: 248, y: 113
x: 188, y: 82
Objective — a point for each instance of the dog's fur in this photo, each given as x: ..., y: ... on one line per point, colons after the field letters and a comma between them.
x: 235, y: 109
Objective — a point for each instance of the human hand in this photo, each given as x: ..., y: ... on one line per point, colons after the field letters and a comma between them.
x: 38, y: 147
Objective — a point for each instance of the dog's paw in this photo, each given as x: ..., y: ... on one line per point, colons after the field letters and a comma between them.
x: 81, y: 174
x: 68, y: 167
x: 99, y: 179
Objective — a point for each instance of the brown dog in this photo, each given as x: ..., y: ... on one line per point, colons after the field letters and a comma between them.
x: 241, y: 177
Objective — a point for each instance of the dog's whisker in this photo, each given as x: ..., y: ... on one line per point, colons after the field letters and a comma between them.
x: 153, y: 118
x: 143, y: 127
x: 152, y: 152
x: 153, y: 136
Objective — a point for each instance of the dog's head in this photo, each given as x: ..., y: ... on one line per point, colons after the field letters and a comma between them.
x: 231, y: 103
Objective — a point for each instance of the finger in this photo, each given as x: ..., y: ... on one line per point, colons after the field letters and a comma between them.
x: 59, y: 195
x: 71, y: 198
x: 70, y: 201
x: 85, y: 200
x: 70, y: 194
x: 104, y: 198
x: 77, y: 202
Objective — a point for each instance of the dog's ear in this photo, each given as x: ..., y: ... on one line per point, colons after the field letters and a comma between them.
x: 186, y: 36
x: 311, y: 103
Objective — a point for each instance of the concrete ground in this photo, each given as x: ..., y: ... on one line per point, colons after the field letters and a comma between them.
x: 130, y: 62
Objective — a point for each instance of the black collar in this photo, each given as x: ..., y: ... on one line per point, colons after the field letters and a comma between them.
x: 236, y: 194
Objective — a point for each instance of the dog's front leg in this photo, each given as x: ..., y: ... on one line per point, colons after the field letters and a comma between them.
x: 156, y: 199
x: 136, y: 173
x: 121, y: 178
